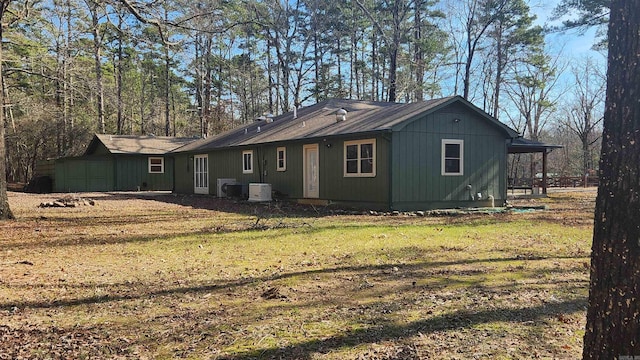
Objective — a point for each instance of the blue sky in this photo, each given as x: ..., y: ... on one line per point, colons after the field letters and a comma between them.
x: 572, y: 43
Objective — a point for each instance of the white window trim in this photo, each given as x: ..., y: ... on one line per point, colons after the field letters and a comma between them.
x: 446, y: 142
x: 359, y: 173
x: 250, y: 169
x: 161, y: 164
x: 284, y: 159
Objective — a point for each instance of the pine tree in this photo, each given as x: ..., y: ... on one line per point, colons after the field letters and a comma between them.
x: 613, y: 316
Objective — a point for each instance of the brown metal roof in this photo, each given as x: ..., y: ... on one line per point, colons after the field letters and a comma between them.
x: 319, y: 120
x: 131, y: 144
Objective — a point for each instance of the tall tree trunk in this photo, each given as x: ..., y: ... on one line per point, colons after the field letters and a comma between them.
x: 60, y: 102
x: 316, y: 63
x: 375, y: 70
x: 5, y: 210
x: 499, y: 69
x: 271, y: 85
x: 120, y: 120
x: 67, y: 105
x: 613, y: 316
x: 466, y: 82
x: 208, y: 73
x: 167, y: 84
x: 393, y: 67
x: 418, y: 53
x: 339, y: 67
x: 68, y: 80
x: 97, y: 47
x: 353, y: 68
x: 393, y: 52
x: 199, y: 82
x: 585, y: 156
x: 143, y: 90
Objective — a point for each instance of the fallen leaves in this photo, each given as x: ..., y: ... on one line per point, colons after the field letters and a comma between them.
x: 39, y: 342
x: 188, y: 277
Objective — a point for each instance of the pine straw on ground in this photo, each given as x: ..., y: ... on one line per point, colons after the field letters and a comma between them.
x: 168, y: 276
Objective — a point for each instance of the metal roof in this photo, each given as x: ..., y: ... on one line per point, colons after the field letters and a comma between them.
x: 132, y: 144
x: 319, y: 120
x: 526, y: 146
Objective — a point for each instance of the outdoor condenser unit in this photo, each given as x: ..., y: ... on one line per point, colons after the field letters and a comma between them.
x: 221, y: 186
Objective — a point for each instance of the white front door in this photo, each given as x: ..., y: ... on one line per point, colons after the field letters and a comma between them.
x: 311, y: 171
x: 201, y: 174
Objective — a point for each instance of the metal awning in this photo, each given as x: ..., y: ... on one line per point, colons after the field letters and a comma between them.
x: 526, y: 146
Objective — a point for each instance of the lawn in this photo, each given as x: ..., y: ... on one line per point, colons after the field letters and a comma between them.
x: 201, y: 278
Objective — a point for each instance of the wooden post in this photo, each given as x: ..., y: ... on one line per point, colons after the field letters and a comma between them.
x: 544, y: 172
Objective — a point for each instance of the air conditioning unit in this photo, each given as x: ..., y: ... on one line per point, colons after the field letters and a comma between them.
x: 259, y: 192
x: 222, y: 186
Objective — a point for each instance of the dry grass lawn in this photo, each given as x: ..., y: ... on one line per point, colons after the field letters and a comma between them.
x: 201, y: 278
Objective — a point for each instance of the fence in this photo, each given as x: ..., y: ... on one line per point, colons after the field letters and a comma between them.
x: 553, y: 181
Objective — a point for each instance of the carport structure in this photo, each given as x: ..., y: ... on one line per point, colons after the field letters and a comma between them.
x: 526, y: 146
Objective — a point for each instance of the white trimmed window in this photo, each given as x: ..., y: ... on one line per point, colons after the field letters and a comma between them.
x: 360, y: 158
x: 247, y: 162
x: 281, y: 161
x: 156, y: 165
x: 452, y: 157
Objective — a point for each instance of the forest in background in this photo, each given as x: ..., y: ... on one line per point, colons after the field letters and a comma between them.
x: 72, y: 68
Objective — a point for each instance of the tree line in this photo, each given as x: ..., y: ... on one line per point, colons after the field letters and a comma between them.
x: 194, y: 68
x: 184, y: 68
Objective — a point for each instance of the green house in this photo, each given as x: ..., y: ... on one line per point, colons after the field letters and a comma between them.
x: 442, y: 153
x: 120, y: 163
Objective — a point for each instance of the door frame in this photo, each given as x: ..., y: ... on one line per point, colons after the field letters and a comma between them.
x: 201, y: 189
x: 309, y: 167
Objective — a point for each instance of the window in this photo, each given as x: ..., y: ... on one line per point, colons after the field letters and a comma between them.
x: 452, y: 157
x: 281, y: 161
x: 359, y: 158
x: 156, y: 165
x: 247, y: 162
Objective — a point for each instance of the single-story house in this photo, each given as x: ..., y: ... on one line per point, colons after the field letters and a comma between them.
x: 442, y: 153
x: 120, y: 163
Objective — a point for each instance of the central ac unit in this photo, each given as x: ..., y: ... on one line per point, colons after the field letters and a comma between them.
x: 222, y: 186
x: 259, y: 192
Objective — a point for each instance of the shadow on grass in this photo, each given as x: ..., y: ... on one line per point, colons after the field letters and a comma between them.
x: 225, y: 227
x: 419, y: 269
x: 389, y: 331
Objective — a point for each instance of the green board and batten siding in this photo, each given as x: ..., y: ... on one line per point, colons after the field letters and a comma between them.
x: 408, y: 156
x: 368, y: 192
x: 417, y: 182
x: 183, y: 179
x: 79, y: 175
x: 111, y: 173
x: 119, y: 163
x: 227, y: 163
x: 133, y: 172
